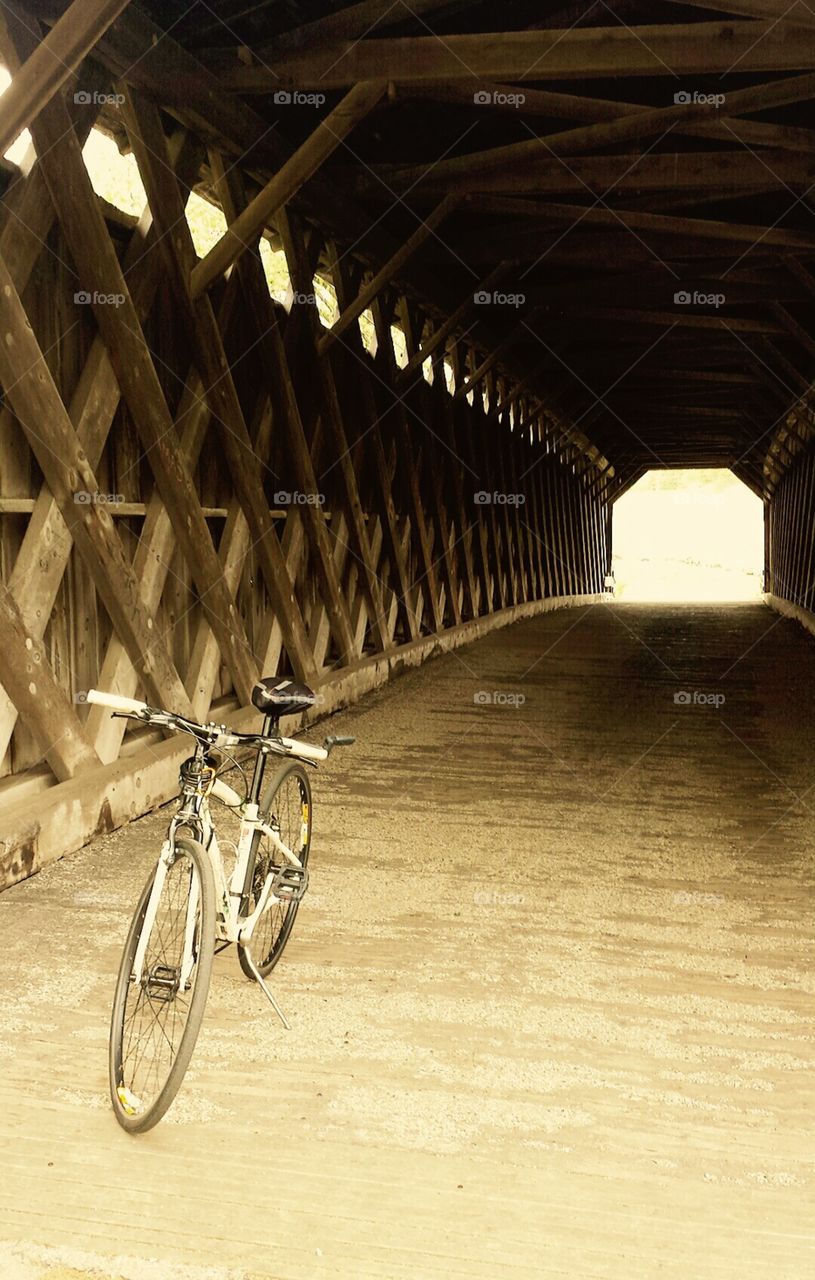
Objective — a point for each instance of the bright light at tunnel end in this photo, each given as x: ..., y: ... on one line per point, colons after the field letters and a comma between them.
x: 688, y: 535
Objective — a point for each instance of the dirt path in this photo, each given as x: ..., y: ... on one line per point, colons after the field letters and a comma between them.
x: 551, y: 993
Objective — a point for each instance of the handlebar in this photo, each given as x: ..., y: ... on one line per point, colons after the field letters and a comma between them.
x: 130, y: 706
x: 217, y: 735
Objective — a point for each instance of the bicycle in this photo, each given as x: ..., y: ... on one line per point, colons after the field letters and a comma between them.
x: 190, y: 909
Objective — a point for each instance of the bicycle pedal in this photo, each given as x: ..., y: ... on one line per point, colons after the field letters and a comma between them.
x: 290, y: 883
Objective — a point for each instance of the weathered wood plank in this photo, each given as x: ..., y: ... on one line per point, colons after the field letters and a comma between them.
x: 43, y: 703
x: 579, y: 53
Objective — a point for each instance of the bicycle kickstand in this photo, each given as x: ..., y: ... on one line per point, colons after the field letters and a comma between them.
x: 247, y: 951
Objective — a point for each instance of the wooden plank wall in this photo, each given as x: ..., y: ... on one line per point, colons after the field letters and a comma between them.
x: 196, y: 491
x: 790, y: 535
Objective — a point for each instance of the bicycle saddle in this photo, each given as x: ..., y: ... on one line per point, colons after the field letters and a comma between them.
x: 279, y: 696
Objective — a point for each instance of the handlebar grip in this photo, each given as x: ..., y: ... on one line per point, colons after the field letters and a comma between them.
x: 115, y: 701
x: 334, y: 741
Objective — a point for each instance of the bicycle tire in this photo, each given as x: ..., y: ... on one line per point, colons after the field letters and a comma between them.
x: 274, y: 928
x: 129, y: 1071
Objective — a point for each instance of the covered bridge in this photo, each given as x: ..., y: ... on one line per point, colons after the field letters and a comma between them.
x: 528, y: 252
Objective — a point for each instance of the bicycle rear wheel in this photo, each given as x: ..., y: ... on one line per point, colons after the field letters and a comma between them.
x: 155, y: 1023
x: 286, y: 803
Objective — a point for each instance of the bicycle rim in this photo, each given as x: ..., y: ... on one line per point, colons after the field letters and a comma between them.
x: 155, y: 1023
x: 288, y: 803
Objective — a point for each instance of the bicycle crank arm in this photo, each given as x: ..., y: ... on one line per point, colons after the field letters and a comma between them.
x: 247, y: 951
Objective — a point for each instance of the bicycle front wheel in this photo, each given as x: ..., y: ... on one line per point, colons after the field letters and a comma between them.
x: 156, y: 1020
x: 287, y: 806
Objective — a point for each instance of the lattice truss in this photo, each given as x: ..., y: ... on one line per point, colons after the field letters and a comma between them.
x: 130, y: 369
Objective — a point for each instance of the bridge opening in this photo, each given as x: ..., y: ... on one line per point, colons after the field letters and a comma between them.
x: 688, y: 535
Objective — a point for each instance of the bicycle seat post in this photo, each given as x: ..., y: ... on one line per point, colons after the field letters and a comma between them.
x: 270, y: 730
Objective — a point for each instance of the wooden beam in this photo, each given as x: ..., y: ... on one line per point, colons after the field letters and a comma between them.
x: 571, y: 106
x: 516, y: 334
x: 331, y: 413
x: 150, y: 147
x: 154, y: 554
x: 385, y: 275
x: 410, y: 450
x: 347, y: 24
x: 406, y: 591
x: 52, y: 62
x: 703, y: 48
x: 297, y: 170
x: 606, y: 133
x: 453, y: 322
x: 137, y: 48
x: 658, y: 223
x: 263, y: 329
x: 796, y: 13
x: 46, y: 546
x: 31, y: 391
x: 46, y: 709
x: 793, y: 326
x: 100, y: 272
x: 682, y: 172
x: 681, y: 316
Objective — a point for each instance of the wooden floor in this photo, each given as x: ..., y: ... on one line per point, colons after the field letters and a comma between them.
x: 551, y: 995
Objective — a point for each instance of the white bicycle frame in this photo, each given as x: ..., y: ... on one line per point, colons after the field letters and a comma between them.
x: 230, y: 926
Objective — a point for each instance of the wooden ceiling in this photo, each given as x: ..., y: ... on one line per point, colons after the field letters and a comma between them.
x: 644, y: 171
